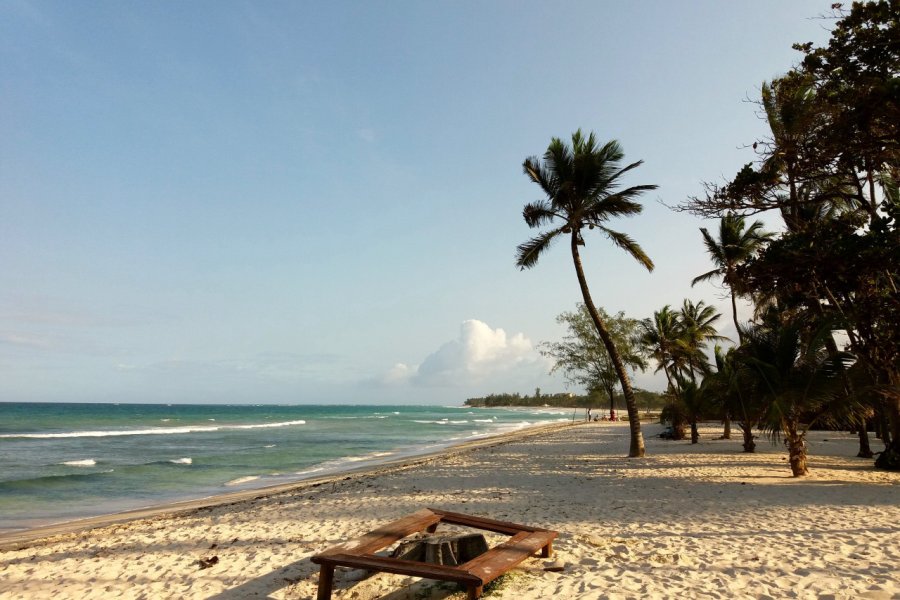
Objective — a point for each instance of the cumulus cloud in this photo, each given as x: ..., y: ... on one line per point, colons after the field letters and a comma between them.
x: 478, y: 354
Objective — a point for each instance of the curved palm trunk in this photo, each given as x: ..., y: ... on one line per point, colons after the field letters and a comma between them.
x: 637, y: 439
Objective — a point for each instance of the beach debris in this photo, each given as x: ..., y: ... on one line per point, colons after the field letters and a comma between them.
x: 206, y: 563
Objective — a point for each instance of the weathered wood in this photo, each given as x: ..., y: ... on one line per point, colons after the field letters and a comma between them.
x: 482, y: 523
x: 373, y: 562
x: 505, y: 556
x: 326, y: 581
x: 358, y: 553
x: 386, y: 535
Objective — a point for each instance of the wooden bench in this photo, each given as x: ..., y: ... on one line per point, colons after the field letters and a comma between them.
x: 359, y: 553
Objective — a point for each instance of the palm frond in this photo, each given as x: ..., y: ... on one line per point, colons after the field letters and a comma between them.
x: 625, y: 242
x: 618, y: 205
x: 540, y: 175
x: 625, y: 169
x: 538, y: 213
x: 706, y: 276
x: 528, y: 253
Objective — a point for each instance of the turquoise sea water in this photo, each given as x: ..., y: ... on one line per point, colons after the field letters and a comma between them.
x: 60, y: 462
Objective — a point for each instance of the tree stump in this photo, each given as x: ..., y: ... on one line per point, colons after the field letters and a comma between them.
x: 450, y: 550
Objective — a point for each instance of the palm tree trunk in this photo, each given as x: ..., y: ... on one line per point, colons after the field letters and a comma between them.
x: 796, y: 450
x: 890, y: 457
x: 749, y: 444
x: 737, y: 325
x: 865, y: 450
x: 637, y: 439
x: 695, y: 434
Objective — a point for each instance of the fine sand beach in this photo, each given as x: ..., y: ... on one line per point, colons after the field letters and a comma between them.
x: 702, y: 521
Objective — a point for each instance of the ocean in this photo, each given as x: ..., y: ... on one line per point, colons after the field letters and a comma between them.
x: 60, y: 462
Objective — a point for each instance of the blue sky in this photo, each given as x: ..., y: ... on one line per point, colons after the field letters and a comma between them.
x: 320, y: 202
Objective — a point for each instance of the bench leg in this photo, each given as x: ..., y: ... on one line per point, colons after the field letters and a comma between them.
x: 326, y: 580
x: 475, y: 592
x: 547, y: 551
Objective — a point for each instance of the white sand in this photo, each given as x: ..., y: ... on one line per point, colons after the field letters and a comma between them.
x: 703, y: 521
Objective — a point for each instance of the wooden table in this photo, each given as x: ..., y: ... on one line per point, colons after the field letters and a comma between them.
x: 359, y: 553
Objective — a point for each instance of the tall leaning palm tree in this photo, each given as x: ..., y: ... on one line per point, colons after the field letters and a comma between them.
x: 581, y: 183
x: 734, y: 246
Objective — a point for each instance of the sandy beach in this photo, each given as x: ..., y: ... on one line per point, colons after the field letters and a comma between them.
x: 702, y: 521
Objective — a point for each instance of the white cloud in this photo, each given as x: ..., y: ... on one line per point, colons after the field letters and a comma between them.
x: 399, y: 373
x: 479, y: 354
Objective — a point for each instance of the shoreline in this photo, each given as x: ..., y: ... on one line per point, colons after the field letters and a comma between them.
x: 686, y: 521
x: 14, y: 539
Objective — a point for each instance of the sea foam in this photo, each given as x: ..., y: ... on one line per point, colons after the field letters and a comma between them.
x: 154, y: 431
x: 87, y: 462
x: 241, y: 480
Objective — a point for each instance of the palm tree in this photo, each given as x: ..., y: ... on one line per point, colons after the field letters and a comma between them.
x: 696, y: 329
x: 789, y: 109
x: 659, y: 337
x: 581, y: 184
x: 696, y: 402
x: 734, y: 246
x: 797, y: 380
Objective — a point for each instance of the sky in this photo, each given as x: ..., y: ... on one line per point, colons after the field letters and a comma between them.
x: 319, y: 202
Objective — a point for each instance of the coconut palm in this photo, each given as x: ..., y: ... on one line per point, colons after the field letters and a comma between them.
x: 581, y: 184
x: 696, y: 400
x: 695, y: 331
x: 734, y: 246
x: 659, y: 337
x: 797, y: 381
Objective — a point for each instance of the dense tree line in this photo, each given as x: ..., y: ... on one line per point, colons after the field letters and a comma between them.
x: 645, y: 399
x: 829, y: 168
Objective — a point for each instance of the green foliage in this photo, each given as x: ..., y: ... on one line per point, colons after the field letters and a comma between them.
x: 582, y: 355
x: 645, y: 399
x: 677, y: 340
x: 582, y: 187
x: 581, y: 183
x: 830, y: 168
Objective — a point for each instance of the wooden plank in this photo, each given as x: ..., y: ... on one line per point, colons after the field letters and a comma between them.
x: 385, y: 535
x: 386, y: 564
x: 483, y: 523
x: 505, y: 556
